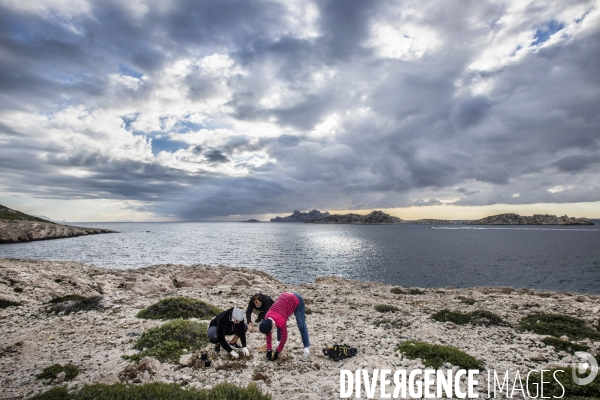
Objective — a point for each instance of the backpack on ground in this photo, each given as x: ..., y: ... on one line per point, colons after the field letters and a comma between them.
x: 338, y: 352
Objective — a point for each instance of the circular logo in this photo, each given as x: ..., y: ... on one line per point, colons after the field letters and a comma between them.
x: 582, y: 364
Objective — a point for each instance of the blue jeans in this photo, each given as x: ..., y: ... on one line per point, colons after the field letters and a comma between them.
x: 300, y: 320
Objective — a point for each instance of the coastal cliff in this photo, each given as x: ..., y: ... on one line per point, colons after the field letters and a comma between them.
x: 338, y: 311
x: 16, y: 226
x: 298, y: 216
x: 536, y: 219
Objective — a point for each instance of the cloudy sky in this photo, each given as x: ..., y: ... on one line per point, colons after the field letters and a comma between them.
x: 212, y: 110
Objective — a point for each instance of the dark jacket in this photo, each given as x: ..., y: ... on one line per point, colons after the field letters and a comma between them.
x: 267, y: 302
x: 225, y: 326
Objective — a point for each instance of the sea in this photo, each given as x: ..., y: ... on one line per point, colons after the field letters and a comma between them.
x: 561, y: 258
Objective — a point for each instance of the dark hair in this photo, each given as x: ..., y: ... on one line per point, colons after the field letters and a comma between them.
x: 257, y: 297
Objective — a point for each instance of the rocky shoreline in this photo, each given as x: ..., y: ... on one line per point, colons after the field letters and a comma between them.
x: 341, y: 311
x: 25, y: 231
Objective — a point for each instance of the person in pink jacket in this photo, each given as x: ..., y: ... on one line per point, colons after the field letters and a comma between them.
x: 287, y: 303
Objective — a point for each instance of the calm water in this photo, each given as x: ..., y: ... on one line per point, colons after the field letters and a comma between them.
x: 557, y: 258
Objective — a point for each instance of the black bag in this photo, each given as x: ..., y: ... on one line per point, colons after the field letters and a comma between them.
x: 338, y: 352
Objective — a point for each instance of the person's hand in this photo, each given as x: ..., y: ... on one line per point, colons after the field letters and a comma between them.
x: 270, y: 355
x: 251, y: 328
x: 234, y: 354
x: 306, y: 353
x: 245, y: 351
x: 275, y: 356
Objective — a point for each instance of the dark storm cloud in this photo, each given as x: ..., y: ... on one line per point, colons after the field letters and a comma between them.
x: 353, y: 123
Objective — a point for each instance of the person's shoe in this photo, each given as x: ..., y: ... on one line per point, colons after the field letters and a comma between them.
x: 217, y: 348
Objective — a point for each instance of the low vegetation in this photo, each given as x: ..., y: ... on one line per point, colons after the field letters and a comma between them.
x: 466, y: 300
x: 435, y: 355
x: 51, y: 372
x: 384, y: 308
x: 150, y: 391
x: 397, y: 290
x: 565, y: 377
x: 74, y: 303
x: 558, y: 325
x: 168, y: 341
x: 179, y: 307
x: 564, y: 345
x: 14, y: 215
x: 477, y: 317
x: 7, y: 303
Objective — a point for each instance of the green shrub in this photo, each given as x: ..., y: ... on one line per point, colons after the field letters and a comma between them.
x: 564, y: 345
x: 434, y: 355
x: 179, y: 307
x: 557, y: 325
x: 383, y: 308
x: 74, y: 303
x: 397, y: 290
x: 167, y: 342
x: 155, y: 391
x: 415, y: 292
x: 477, y: 317
x: 466, y: 300
x: 70, y: 370
x: 571, y: 389
x: 7, y: 303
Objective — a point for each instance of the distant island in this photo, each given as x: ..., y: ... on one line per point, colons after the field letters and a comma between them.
x: 298, y: 216
x: 252, y: 220
x: 16, y: 226
x: 536, y: 219
x: 373, y: 218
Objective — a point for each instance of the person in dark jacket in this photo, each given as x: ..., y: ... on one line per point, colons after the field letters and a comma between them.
x: 259, y: 304
x: 229, y: 322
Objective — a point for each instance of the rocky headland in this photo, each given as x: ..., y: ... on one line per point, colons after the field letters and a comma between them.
x: 298, y: 216
x: 338, y: 311
x: 536, y: 219
x: 16, y: 226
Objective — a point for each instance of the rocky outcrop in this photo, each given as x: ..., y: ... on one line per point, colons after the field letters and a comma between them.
x: 374, y: 218
x: 13, y: 231
x: 342, y: 311
x: 536, y: 219
x: 298, y: 216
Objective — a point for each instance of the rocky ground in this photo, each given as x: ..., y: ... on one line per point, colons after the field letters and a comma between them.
x: 24, y: 231
x: 342, y: 312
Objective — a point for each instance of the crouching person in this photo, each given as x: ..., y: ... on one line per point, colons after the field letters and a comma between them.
x: 259, y: 305
x: 287, y: 303
x: 229, y: 322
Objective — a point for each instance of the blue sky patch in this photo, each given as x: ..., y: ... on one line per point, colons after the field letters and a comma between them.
x: 125, y: 70
x: 166, y: 144
x: 543, y: 34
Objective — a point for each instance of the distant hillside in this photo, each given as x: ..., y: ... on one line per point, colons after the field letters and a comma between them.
x: 536, y: 219
x: 14, y: 215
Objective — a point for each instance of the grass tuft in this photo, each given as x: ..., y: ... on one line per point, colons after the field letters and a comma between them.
x: 7, y: 303
x: 564, y: 345
x: 70, y: 370
x: 74, y: 303
x: 179, y: 307
x: 167, y: 342
x: 435, y: 355
x: 384, y: 308
x: 477, y: 317
x: 466, y: 300
x: 396, y: 290
x: 154, y: 391
x: 557, y: 325
x: 565, y: 377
